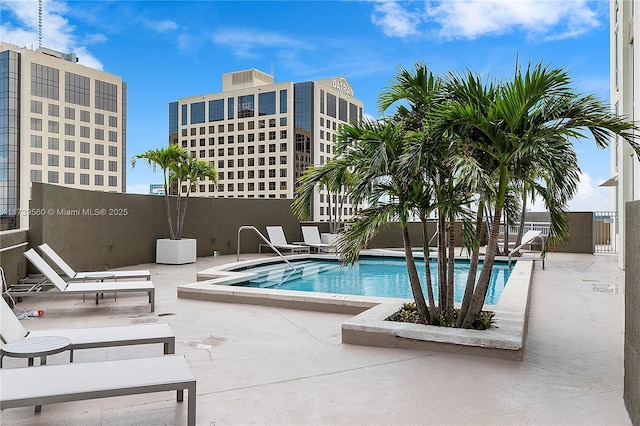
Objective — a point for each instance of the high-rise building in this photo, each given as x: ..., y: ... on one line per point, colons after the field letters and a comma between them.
x: 61, y: 123
x: 625, y: 93
x: 261, y: 135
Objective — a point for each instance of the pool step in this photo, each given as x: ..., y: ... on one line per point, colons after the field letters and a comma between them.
x: 280, y: 276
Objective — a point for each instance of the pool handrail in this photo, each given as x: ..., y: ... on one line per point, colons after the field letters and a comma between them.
x: 243, y: 227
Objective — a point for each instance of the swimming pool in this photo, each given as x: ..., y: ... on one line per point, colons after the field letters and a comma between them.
x: 379, y: 277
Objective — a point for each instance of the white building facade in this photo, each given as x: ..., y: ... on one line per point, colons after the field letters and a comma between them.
x: 625, y: 93
x: 261, y: 135
x: 60, y: 123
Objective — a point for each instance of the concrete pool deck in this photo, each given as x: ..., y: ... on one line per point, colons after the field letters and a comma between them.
x: 274, y: 366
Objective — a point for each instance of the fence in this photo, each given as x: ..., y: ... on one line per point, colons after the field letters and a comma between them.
x: 605, y: 225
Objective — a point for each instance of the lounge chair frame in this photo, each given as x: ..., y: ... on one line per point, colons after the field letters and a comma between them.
x: 279, y: 241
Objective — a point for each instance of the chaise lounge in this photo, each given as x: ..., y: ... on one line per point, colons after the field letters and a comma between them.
x: 279, y: 241
x: 83, y: 276
x: 83, y: 288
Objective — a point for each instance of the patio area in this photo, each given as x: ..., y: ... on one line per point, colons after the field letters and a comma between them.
x: 277, y: 366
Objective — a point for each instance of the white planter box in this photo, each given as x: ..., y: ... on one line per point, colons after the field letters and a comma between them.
x: 326, y: 238
x: 176, y: 252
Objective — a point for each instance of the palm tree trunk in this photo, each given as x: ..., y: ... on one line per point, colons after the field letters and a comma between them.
x: 473, y: 267
x: 442, y: 269
x: 479, y: 295
x: 427, y: 269
x: 178, y: 202
x: 523, y: 215
x: 167, y: 206
x: 450, y: 267
x: 505, y: 248
x: 183, y: 212
x: 414, y: 279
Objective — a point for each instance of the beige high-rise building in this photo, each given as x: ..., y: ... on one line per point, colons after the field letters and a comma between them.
x: 61, y: 123
x: 625, y: 93
x: 262, y: 135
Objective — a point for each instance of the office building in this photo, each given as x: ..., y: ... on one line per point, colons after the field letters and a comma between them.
x: 261, y: 135
x: 625, y: 93
x: 60, y: 123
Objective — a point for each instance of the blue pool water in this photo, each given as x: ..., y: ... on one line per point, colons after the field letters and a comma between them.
x: 380, y: 277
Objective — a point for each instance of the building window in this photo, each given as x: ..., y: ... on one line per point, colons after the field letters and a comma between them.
x: 99, y: 134
x: 283, y: 134
x: 220, y: 152
x: 69, y: 162
x: 272, y: 173
x: 197, y: 112
x: 85, y: 132
x: 54, y: 127
x: 77, y: 89
x: 99, y: 164
x: 85, y: 147
x: 283, y: 101
x: 36, y: 107
x: 251, y: 137
x: 216, y: 111
x: 230, y: 108
x: 113, y: 121
x: 98, y: 180
x: 36, y: 141
x: 283, y: 159
x: 54, y: 143
x: 267, y: 103
x: 69, y: 145
x: 261, y: 136
x: 331, y: 105
x: 342, y: 110
x: 36, y: 124
x: 245, y: 106
x: 113, y: 166
x: 272, y: 136
x: 113, y: 136
x: 69, y: 178
x: 99, y: 118
x: 113, y: 151
x: 283, y: 147
x: 99, y: 149
x: 84, y: 179
x: 283, y: 174
x: 113, y: 181
x: 106, y: 96
x: 260, y: 174
x: 45, y: 82
x: 85, y: 116
x: 36, y: 175
x: 261, y: 188
x: 69, y: 129
x: 84, y: 163
x: 230, y: 139
x: 52, y: 177
x: 36, y: 158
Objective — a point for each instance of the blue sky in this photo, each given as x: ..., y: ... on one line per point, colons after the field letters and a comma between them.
x: 165, y: 50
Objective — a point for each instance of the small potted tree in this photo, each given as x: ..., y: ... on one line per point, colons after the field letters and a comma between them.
x: 179, y: 167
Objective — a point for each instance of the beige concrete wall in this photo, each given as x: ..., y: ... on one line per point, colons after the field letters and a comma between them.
x: 11, y: 258
x: 632, y: 313
x: 126, y: 226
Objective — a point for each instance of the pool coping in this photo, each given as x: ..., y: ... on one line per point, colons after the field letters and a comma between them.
x: 368, y: 327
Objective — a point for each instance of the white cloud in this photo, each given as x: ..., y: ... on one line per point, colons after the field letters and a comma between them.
x: 57, y: 32
x: 245, y: 41
x: 395, y: 20
x: 548, y: 19
x: 589, y: 197
x: 161, y: 26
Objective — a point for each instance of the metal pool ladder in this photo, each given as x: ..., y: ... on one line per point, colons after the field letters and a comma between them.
x: 242, y: 228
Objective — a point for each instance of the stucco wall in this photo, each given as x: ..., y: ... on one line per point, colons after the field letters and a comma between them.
x: 98, y: 230
x: 11, y: 259
x: 632, y: 313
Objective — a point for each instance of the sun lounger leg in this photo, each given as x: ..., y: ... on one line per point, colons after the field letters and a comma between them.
x: 191, y: 404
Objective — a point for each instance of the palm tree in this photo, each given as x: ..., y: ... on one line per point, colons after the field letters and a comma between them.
x: 177, y: 165
x: 533, y: 117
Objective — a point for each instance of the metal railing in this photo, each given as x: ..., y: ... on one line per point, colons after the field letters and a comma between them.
x: 605, y: 230
x: 242, y: 228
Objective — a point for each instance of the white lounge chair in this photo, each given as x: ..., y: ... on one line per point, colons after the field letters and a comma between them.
x: 311, y: 236
x: 78, y: 287
x: 24, y: 387
x: 11, y: 330
x: 529, y: 238
x: 82, y: 276
x: 279, y: 241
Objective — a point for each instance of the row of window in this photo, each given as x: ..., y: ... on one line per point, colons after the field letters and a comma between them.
x: 70, y: 130
x: 250, y: 137
x: 231, y: 127
x: 69, y: 178
x: 70, y: 146
x: 246, y: 107
x: 45, y: 83
x: 241, y: 187
x: 346, y: 111
x: 345, y: 211
x: 251, y: 174
x: 70, y: 162
x: 53, y: 110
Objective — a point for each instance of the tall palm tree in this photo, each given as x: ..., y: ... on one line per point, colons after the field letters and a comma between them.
x: 534, y: 116
x: 177, y: 165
